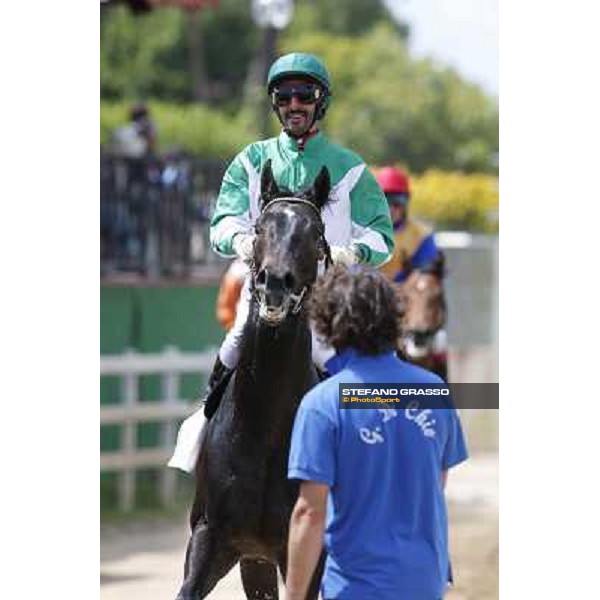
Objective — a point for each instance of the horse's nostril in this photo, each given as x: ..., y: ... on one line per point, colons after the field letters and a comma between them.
x: 288, y: 281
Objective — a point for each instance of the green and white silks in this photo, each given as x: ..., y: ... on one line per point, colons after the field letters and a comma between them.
x: 357, y: 214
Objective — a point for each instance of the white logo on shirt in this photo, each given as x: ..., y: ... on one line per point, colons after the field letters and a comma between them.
x: 371, y: 436
x: 420, y: 418
x: 374, y: 436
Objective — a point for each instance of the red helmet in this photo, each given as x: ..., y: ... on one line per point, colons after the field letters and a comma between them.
x: 393, y: 181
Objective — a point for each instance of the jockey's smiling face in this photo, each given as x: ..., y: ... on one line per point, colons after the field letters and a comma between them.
x: 296, y: 111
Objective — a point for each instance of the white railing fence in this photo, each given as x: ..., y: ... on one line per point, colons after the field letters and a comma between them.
x: 170, y: 364
x: 481, y: 426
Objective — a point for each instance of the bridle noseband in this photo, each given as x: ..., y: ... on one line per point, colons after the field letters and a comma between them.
x: 293, y: 302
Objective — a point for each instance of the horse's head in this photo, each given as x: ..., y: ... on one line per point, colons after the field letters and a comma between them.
x: 424, y: 306
x: 290, y: 240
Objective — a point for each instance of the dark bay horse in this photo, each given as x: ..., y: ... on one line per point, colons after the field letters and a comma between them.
x: 243, y: 498
x: 424, y: 315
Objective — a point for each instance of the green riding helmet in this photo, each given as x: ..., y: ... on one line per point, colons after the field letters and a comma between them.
x: 301, y: 64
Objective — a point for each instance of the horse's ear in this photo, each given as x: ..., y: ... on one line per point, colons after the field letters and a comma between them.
x: 322, y: 187
x: 268, y: 185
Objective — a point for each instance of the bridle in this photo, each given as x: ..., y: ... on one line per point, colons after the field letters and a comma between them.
x: 293, y: 303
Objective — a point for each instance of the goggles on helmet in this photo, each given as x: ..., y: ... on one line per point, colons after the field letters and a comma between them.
x: 397, y: 199
x: 306, y: 93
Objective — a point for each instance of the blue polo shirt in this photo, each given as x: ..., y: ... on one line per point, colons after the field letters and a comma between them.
x: 387, y: 529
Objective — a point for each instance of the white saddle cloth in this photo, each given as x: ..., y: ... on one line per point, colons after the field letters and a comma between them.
x: 189, y: 438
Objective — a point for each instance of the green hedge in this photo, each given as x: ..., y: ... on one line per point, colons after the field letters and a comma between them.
x: 453, y: 200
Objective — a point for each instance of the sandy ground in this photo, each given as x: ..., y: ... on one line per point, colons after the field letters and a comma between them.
x: 144, y: 560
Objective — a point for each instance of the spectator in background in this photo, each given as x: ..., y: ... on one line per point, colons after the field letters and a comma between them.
x: 137, y: 138
x: 144, y: 125
x: 371, y: 479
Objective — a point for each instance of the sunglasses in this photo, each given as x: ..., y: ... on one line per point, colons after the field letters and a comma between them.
x: 397, y: 199
x: 306, y: 93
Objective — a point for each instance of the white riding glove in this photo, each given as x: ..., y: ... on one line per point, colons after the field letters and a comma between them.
x: 346, y: 255
x: 243, y: 246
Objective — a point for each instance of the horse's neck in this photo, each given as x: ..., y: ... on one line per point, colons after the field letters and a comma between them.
x: 274, y: 369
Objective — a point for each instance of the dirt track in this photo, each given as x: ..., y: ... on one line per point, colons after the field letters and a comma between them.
x: 144, y: 560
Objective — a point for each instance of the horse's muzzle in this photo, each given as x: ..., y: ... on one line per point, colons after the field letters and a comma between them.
x: 273, y: 315
x: 276, y: 297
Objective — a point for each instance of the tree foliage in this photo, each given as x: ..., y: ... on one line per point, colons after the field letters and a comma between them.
x: 149, y: 56
x: 338, y: 17
x: 143, y: 57
x: 453, y: 200
x: 387, y: 105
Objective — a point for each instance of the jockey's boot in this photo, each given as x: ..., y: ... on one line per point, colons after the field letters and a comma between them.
x: 217, y: 382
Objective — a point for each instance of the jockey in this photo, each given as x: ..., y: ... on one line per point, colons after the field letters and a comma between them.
x: 414, y: 244
x: 357, y: 222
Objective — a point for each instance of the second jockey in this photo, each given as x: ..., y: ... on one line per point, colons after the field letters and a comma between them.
x: 414, y: 248
x: 414, y: 243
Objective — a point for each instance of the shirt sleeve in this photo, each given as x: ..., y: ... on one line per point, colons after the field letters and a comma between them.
x: 455, y: 450
x: 372, y: 229
x: 312, y: 450
x: 232, y: 211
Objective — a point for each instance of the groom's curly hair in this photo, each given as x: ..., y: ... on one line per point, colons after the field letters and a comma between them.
x: 356, y: 307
